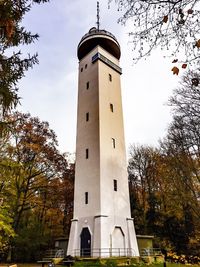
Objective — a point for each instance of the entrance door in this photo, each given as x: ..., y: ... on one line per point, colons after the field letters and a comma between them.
x: 85, y: 242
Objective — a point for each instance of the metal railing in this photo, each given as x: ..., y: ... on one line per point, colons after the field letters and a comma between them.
x: 98, y: 32
x: 104, y: 252
x: 150, y: 252
x: 54, y: 253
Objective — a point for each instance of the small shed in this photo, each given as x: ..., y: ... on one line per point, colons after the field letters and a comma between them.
x: 145, y: 242
x: 61, y: 243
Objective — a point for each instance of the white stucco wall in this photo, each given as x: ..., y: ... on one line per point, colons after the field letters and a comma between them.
x: 107, y: 213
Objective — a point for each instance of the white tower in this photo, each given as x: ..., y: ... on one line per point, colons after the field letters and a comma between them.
x: 101, y: 226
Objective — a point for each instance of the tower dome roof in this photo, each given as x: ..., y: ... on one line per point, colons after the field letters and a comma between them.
x: 98, y: 37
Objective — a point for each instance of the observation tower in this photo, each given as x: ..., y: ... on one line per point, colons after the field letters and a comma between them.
x: 102, y: 225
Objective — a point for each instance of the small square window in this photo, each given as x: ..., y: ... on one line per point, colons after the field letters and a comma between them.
x: 111, y: 107
x: 87, y: 153
x: 81, y: 69
x: 86, y: 197
x: 115, y: 185
x: 87, y: 85
x: 113, y: 142
x: 85, y: 66
x: 110, y: 77
x: 87, y: 116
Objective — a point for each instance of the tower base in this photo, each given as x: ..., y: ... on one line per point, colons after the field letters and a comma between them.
x: 102, y: 236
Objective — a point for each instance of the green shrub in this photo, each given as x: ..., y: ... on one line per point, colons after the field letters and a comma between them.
x: 111, y: 263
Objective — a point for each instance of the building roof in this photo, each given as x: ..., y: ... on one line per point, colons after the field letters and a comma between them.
x: 145, y: 236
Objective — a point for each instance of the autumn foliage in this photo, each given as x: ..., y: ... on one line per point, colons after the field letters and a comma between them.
x: 165, y: 181
x: 36, y: 185
x: 172, y: 26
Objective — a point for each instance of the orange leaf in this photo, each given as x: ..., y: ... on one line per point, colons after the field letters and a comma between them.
x: 175, y: 70
x: 175, y: 60
x: 198, y: 43
x: 184, y: 66
x: 165, y: 19
x: 9, y: 28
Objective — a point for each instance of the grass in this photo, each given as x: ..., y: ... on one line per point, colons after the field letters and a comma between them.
x: 22, y: 265
x: 84, y: 264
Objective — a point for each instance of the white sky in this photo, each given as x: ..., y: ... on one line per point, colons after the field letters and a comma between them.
x: 50, y: 89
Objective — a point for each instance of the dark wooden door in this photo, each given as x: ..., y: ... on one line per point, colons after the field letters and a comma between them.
x: 85, y: 242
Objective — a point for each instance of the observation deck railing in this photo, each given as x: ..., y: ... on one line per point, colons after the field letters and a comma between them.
x: 99, y: 32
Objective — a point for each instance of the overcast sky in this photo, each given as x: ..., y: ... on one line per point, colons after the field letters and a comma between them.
x: 50, y: 89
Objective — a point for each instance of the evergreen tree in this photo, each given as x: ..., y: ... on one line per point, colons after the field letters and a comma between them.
x: 12, y: 34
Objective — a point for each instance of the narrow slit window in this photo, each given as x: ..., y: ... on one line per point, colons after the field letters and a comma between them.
x: 86, y: 197
x: 87, y: 153
x: 87, y: 85
x: 110, y: 77
x: 111, y: 107
x: 85, y: 66
x: 87, y: 116
x: 115, y: 185
x: 81, y: 69
x: 113, y: 143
